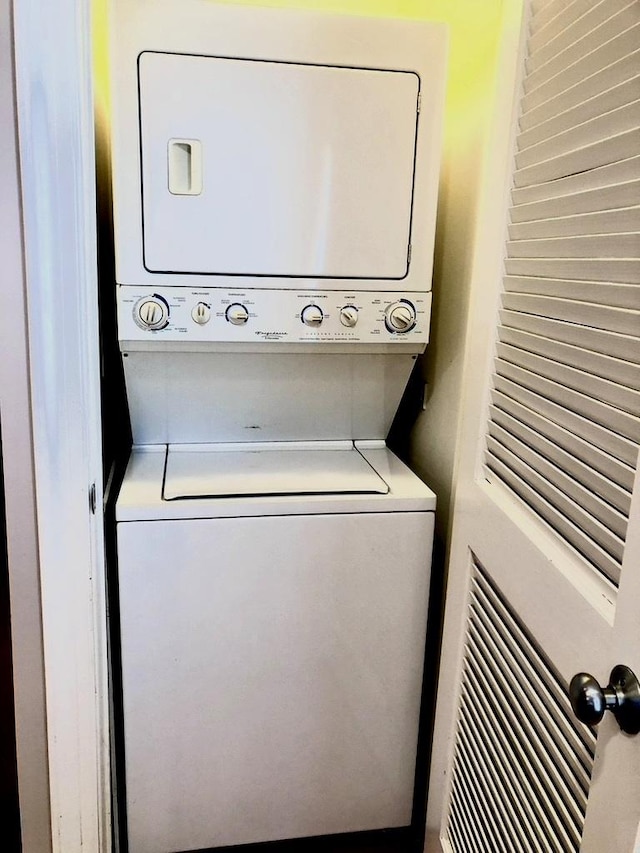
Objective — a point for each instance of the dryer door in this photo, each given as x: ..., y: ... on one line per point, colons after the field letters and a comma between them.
x: 276, y: 169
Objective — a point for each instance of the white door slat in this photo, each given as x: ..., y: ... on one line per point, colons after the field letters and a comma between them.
x: 576, y: 23
x: 624, y: 347
x: 594, y: 481
x: 605, y: 178
x: 563, y: 815
x: 490, y: 757
x: 624, y: 373
x: 610, y: 417
x: 577, y: 115
x: 569, y: 778
x: 490, y: 768
x: 621, y: 146
x: 455, y: 837
x: 545, y: 12
x: 467, y: 814
x: 460, y: 831
x: 608, y: 79
x: 625, y: 399
x: 611, y: 527
x: 596, y: 200
x: 608, y: 294
x: 573, y: 770
x: 483, y: 795
x: 498, y: 761
x: 480, y: 818
x: 521, y: 773
x: 621, y: 270
x: 459, y: 839
x: 539, y: 89
x: 576, y: 744
x: 549, y: 483
x: 480, y: 781
x: 584, y: 427
x: 577, y: 136
x: 589, y: 246
x: 615, y: 477
x: 601, y: 36
x: 536, y: 741
x: 529, y: 767
x: 626, y: 219
x: 573, y: 535
x: 619, y: 320
x: 562, y: 754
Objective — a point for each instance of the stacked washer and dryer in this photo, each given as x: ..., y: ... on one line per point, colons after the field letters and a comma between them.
x: 274, y: 181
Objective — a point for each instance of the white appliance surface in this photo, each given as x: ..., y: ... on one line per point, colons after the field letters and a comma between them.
x: 267, y: 469
x: 298, y: 147
x: 272, y: 316
x: 141, y: 495
x: 180, y: 396
x: 303, y: 170
x: 271, y: 660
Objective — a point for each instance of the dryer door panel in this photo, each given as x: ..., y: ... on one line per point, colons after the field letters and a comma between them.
x: 276, y: 169
x: 272, y: 672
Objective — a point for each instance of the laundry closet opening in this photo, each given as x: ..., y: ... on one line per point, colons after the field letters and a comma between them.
x: 266, y: 292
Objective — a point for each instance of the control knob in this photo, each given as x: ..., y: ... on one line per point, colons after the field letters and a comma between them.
x: 400, y: 317
x: 237, y: 314
x: 151, y: 313
x: 312, y: 315
x: 201, y: 313
x: 349, y: 316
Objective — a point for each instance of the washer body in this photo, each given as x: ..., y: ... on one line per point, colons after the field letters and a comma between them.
x: 272, y: 651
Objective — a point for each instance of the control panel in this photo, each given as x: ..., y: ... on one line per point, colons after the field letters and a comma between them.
x: 255, y: 316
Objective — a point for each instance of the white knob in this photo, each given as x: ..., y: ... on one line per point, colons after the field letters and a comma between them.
x: 312, y: 315
x: 349, y: 316
x: 151, y: 313
x: 400, y: 317
x: 201, y: 313
x: 237, y: 314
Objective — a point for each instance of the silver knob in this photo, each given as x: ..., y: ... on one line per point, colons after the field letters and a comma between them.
x: 312, y: 315
x: 237, y: 314
x: 622, y: 697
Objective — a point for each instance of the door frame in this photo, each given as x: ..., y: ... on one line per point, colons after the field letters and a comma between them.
x: 485, y: 289
x: 53, y: 60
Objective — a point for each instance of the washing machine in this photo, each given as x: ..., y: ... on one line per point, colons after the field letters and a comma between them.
x: 274, y: 183
x: 273, y: 604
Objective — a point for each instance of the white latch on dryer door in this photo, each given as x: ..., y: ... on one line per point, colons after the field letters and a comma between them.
x: 184, y: 166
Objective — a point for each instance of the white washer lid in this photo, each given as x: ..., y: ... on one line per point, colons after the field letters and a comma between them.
x: 293, y: 468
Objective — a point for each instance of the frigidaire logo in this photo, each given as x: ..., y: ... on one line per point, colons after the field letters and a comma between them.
x: 271, y: 334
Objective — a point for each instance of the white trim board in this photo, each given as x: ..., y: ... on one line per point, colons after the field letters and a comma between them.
x: 53, y: 61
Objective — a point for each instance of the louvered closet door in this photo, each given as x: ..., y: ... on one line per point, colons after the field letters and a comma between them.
x: 544, y: 577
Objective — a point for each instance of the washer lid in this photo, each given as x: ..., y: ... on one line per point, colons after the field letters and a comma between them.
x: 294, y: 468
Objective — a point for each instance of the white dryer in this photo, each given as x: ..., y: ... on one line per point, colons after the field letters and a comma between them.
x: 273, y: 613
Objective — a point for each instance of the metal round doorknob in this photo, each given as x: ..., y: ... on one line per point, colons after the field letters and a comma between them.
x: 622, y: 697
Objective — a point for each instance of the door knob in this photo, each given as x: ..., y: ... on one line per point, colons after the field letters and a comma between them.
x: 622, y: 697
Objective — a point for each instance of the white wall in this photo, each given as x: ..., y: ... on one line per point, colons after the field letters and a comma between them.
x: 474, y: 43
